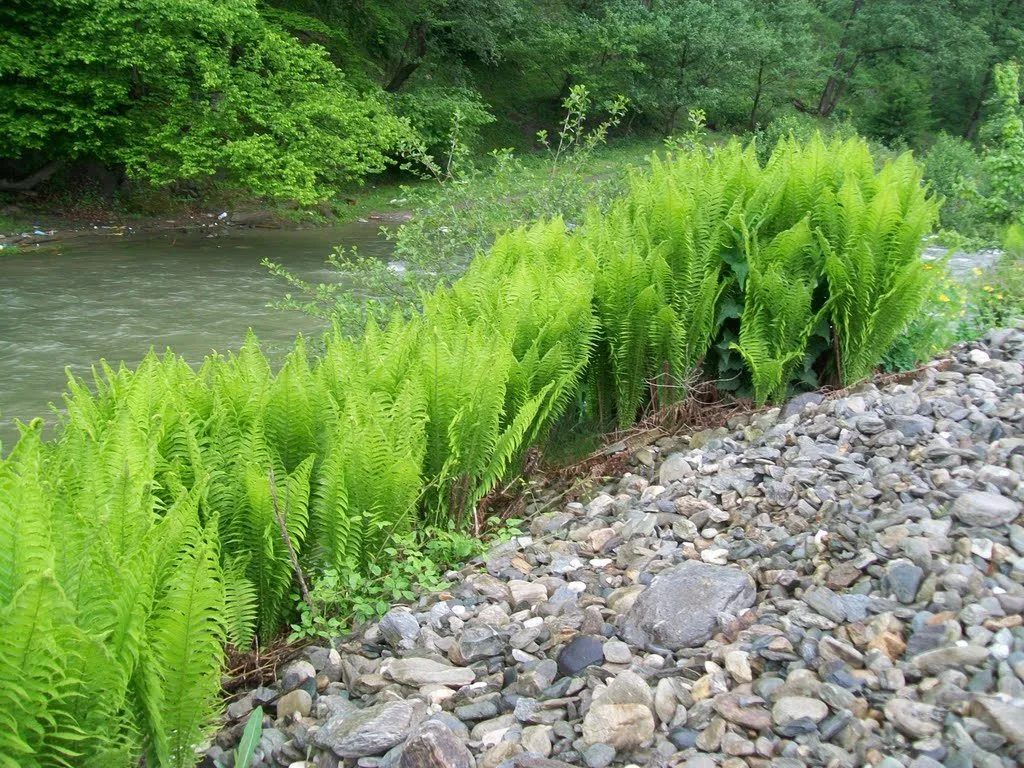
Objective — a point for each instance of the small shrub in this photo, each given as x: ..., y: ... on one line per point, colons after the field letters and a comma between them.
x: 429, y: 111
x: 1003, y: 147
x: 952, y: 168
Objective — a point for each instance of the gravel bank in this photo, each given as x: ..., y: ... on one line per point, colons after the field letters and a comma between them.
x: 839, y: 583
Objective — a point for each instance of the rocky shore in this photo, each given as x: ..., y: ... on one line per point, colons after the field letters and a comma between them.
x: 837, y: 583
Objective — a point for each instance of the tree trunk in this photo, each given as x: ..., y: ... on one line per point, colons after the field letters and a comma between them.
x: 757, y: 96
x: 411, y: 58
x: 840, y: 70
x: 34, y: 180
x: 972, y: 123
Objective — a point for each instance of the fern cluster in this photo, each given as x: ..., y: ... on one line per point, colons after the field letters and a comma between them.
x: 806, y: 266
x: 172, y: 511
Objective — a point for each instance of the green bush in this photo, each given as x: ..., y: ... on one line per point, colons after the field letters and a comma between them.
x: 1003, y: 147
x: 430, y: 110
x: 952, y: 168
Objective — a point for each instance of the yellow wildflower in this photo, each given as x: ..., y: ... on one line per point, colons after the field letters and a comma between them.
x: 987, y: 288
x: 977, y: 271
x: 943, y: 298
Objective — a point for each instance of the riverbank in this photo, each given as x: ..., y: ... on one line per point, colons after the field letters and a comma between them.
x: 837, y: 582
x: 45, y: 225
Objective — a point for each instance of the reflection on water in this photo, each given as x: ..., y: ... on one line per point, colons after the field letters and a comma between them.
x: 113, y: 297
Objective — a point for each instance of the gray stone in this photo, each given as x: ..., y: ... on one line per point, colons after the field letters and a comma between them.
x: 953, y: 656
x: 417, y: 672
x: 985, y: 509
x: 904, y: 579
x: 620, y: 714
x: 1007, y: 718
x: 478, y: 641
x: 617, y: 652
x: 399, y: 628
x: 297, y: 673
x: 674, y: 468
x: 912, y: 718
x: 370, y: 731
x: 681, y: 608
x: 797, y: 404
x: 297, y: 702
x: 598, y: 755
x: 433, y: 745
x: 790, y: 708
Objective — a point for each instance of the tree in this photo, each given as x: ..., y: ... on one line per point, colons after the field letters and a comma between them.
x: 182, y: 90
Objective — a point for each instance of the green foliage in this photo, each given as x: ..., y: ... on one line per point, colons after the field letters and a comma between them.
x: 1003, y: 154
x: 250, y: 739
x: 235, y: 97
x: 112, y: 601
x: 952, y: 168
x: 778, y: 318
x: 430, y: 110
x: 872, y: 231
x: 396, y: 572
x: 458, y: 217
x: 934, y: 328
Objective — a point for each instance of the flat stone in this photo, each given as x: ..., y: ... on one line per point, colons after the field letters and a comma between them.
x: 912, y: 718
x: 935, y: 661
x: 416, y: 672
x: 370, y: 731
x: 790, y: 708
x: 737, y: 664
x: 681, y: 607
x: 796, y: 405
x: 527, y: 592
x: 297, y: 673
x: 536, y: 739
x: 399, y: 627
x: 620, y: 714
x: 622, y: 726
x: 674, y: 468
x: 598, y: 755
x: 904, y: 579
x: 753, y: 717
x: 843, y: 575
x: 617, y: 652
x: 476, y: 642
x: 985, y: 509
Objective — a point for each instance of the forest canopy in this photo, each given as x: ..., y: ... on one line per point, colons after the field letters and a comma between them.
x: 292, y: 98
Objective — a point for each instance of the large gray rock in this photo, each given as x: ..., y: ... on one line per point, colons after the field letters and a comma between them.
x: 985, y: 509
x: 370, y: 731
x: 681, y: 607
x: 433, y: 745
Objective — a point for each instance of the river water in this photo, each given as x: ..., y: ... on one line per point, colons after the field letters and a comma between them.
x: 112, y: 297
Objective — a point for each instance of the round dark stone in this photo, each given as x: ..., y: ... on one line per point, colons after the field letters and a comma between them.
x: 683, y: 738
x: 580, y: 654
